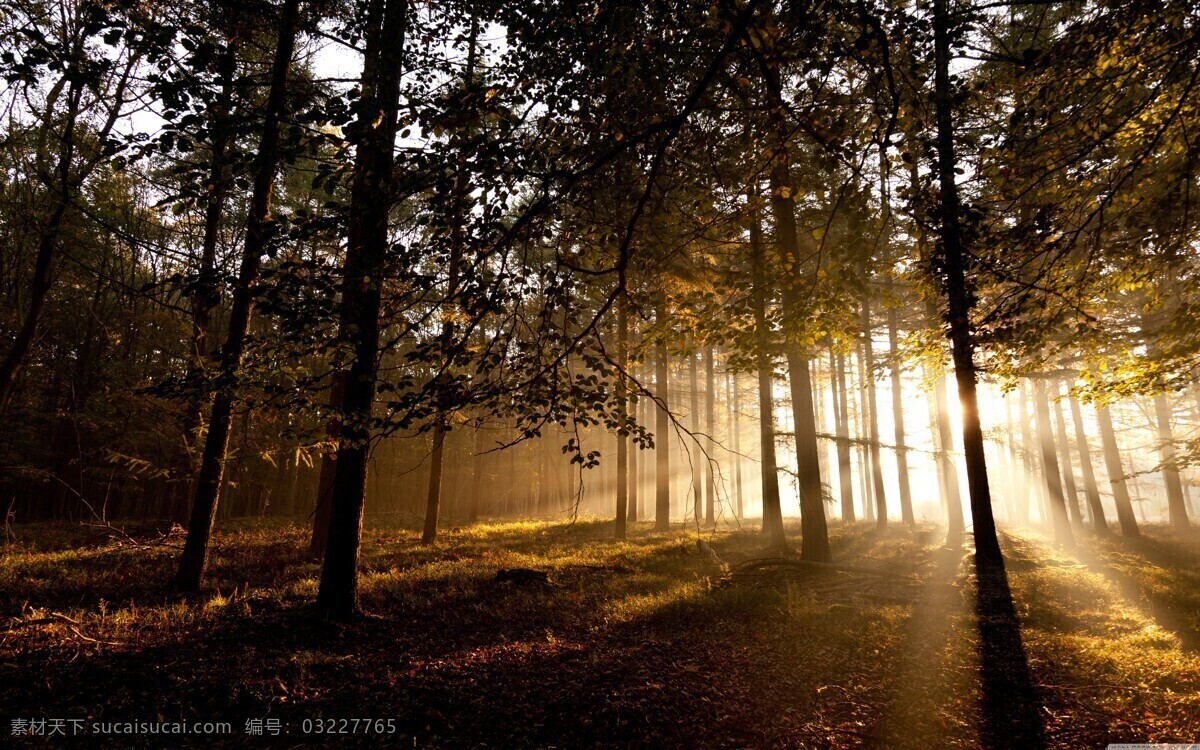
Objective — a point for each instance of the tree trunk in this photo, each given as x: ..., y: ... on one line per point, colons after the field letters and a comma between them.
x: 697, y: 458
x: 942, y: 433
x: 1116, y: 473
x: 645, y: 405
x: 881, y: 516
x: 1136, y: 485
x: 1020, y: 466
x: 1176, y: 507
x: 736, y: 438
x: 1058, y: 506
x: 194, y: 559
x: 1064, y: 450
x: 475, y: 501
x: 772, y: 510
x: 863, y: 427
x: 333, y: 433
x: 906, y: 507
x: 542, y: 502
x: 1002, y: 459
x: 632, y: 513
x: 1091, y: 490
x: 814, y: 534
x: 433, y: 496
x: 205, y: 296
x: 366, y: 257
x: 662, y: 441
x: 823, y: 430
x: 710, y: 490
x: 622, y: 420
x: 1031, y: 469
x: 987, y: 545
x: 433, y: 491
x: 814, y: 541
x: 842, y: 416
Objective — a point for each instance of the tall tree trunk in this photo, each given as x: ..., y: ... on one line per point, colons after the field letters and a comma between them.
x: 814, y: 533
x: 366, y: 257
x: 710, y: 490
x: 433, y: 491
x: 206, y: 296
x: 1064, y: 450
x: 814, y: 541
x: 475, y: 501
x: 662, y: 440
x: 772, y: 509
x: 645, y: 405
x: 1116, y: 473
x: 1176, y: 507
x: 866, y: 485
x: 433, y: 496
x: 293, y: 489
x: 622, y: 420
x: 987, y: 545
x: 906, y: 507
x: 881, y: 516
x: 842, y: 415
x: 823, y: 431
x: 632, y: 513
x: 1031, y: 468
x: 194, y: 559
x: 333, y: 434
x: 1091, y: 489
x: 1058, y: 506
x: 697, y: 458
x: 735, y: 429
x: 939, y: 416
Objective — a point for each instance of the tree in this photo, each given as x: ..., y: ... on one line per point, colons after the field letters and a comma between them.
x: 814, y: 534
x: 772, y: 520
x: 366, y: 255
x: 1058, y: 508
x: 1091, y: 489
x: 1116, y: 473
x: 662, y: 456
x: 710, y: 391
x: 622, y: 511
x: 94, y: 91
x: 953, y: 256
x: 259, y: 230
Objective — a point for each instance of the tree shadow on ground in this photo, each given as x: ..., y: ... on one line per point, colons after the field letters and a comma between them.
x: 1106, y: 670
x: 532, y: 678
x: 1011, y: 705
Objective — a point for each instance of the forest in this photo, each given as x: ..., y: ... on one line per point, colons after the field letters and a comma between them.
x: 674, y: 373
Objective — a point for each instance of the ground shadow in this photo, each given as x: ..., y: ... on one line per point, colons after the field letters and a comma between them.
x: 1011, y: 705
x: 1162, y: 574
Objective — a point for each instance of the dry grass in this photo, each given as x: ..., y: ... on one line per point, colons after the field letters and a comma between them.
x: 631, y: 645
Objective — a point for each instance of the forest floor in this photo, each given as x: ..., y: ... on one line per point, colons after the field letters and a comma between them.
x: 638, y: 643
